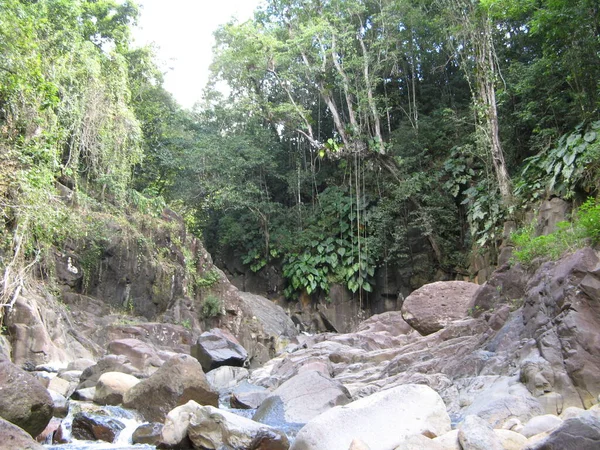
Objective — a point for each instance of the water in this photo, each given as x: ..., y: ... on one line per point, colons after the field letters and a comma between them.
x: 131, y: 419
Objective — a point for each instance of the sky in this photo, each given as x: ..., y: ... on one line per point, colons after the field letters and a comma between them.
x: 181, y: 31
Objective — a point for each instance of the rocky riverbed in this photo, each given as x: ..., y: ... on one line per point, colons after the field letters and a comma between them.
x: 512, y: 364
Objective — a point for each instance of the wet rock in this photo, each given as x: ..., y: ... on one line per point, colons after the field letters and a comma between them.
x: 392, y: 415
x: 580, y: 433
x: 302, y: 398
x: 14, y: 438
x: 147, y: 433
x: 178, y: 381
x: 45, y: 437
x: 23, y: 399
x: 96, y: 427
x: 216, y: 348
x: 431, y: 307
x: 112, y: 386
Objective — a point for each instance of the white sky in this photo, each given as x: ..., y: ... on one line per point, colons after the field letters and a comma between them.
x: 182, y: 32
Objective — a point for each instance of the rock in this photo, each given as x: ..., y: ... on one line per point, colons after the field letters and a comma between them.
x: 301, y: 398
x: 84, y: 395
x: 392, y: 415
x: 591, y: 286
x: 23, y: 399
x: 448, y: 441
x: 266, y: 328
x: 14, y: 438
x: 571, y: 412
x: 144, y: 357
x: 226, y: 377
x: 80, y: 364
x: 112, y: 386
x: 216, y: 348
x: 214, y: 428
x: 503, y: 400
x: 178, y: 381
x: 110, y: 363
x: 175, y: 429
x: 357, y: 444
x: 72, y: 376
x: 62, y: 387
x: 476, y: 434
x: 419, y: 442
x: 60, y: 404
x: 511, y: 440
x: 46, y: 436
x: 580, y: 433
x: 431, y: 307
x: 248, y: 396
x: 540, y: 424
x: 391, y: 323
x: 147, y: 433
x: 92, y: 427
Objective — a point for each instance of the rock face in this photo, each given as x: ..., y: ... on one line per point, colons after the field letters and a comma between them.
x: 14, y: 438
x: 178, y: 381
x: 24, y: 401
x: 302, y: 398
x: 392, y: 415
x: 216, y: 348
x: 431, y: 307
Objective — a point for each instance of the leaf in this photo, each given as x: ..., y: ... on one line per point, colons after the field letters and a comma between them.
x: 590, y: 136
x: 341, y: 251
x: 569, y: 158
x: 367, y: 287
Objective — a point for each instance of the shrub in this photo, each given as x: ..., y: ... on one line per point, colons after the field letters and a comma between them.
x: 211, y: 306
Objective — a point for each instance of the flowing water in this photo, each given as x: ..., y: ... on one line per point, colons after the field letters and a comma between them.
x: 129, y: 418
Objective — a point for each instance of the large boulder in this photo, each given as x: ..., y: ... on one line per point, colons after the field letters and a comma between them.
x: 431, y: 307
x: 178, y: 381
x: 216, y: 348
x: 302, y: 398
x: 208, y: 427
x: 391, y: 415
x: 214, y: 428
x: 112, y: 386
x: 109, y: 363
x: 24, y: 401
x: 14, y: 438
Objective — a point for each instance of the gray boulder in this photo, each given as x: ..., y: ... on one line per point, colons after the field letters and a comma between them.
x: 216, y: 348
x: 24, y: 401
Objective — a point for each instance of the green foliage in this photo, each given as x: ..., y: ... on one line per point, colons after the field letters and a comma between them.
x: 211, y: 307
x: 209, y: 278
x: 569, y: 167
x: 569, y: 236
